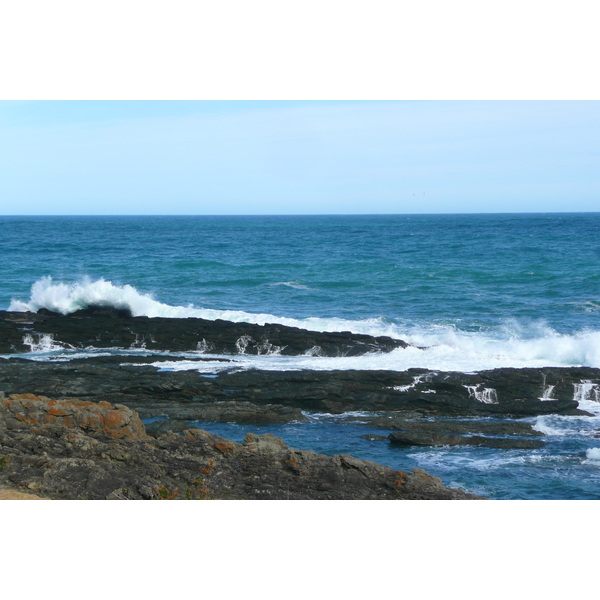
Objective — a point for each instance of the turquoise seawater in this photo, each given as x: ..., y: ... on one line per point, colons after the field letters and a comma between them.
x: 471, y: 271
x: 479, y: 291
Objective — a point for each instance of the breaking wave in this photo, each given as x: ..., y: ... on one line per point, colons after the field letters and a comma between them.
x: 437, y: 347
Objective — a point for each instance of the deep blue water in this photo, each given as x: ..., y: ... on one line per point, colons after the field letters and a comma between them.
x: 480, y: 291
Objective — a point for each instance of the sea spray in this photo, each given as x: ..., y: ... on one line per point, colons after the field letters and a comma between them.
x: 433, y: 346
x: 484, y: 395
x: 43, y: 342
x: 593, y: 455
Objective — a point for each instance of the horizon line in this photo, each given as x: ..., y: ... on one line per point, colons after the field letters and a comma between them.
x: 552, y: 212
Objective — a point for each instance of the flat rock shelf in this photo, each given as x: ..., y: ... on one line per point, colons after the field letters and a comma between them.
x: 128, y: 424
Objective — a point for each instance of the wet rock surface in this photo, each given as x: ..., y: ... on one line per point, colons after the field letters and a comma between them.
x: 442, y: 432
x: 109, y: 328
x: 53, y: 460
x: 515, y: 393
x: 429, y: 438
x: 504, y: 427
x: 97, y: 447
x: 225, y: 412
x: 166, y: 426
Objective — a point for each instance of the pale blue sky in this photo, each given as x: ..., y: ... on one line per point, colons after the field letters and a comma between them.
x: 233, y: 157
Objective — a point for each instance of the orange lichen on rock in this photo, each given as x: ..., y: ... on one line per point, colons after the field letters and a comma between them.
x: 116, y: 418
x: 101, y: 418
x: 399, y: 479
x: 56, y: 412
x: 27, y: 396
x: 226, y: 447
x: 209, y: 468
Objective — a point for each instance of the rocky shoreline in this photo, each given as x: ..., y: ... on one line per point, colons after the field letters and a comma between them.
x: 73, y: 449
x: 417, y: 407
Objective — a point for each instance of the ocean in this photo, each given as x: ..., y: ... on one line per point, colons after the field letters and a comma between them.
x: 470, y: 292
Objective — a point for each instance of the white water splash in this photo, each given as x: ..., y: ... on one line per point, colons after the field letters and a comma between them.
x: 203, y: 347
x: 314, y: 351
x: 242, y: 343
x: 435, y: 347
x: 547, y: 393
x: 265, y: 347
x: 416, y: 381
x: 486, y: 395
x: 43, y: 342
x: 593, y: 455
x: 141, y: 341
x: 587, y: 394
x: 586, y: 390
x: 550, y: 425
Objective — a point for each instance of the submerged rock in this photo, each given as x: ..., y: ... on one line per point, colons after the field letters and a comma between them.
x: 452, y: 432
x: 505, y: 427
x: 373, y: 437
x: 424, y: 438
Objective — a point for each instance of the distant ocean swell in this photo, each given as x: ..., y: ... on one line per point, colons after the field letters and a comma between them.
x: 441, y: 347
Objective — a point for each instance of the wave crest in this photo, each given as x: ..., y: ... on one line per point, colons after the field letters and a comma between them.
x: 68, y: 298
x: 437, y: 347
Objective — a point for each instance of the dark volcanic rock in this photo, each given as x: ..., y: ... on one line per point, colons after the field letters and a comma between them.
x: 103, y: 327
x: 158, y: 427
x: 425, y: 438
x: 173, y: 394
x: 504, y: 427
x: 65, y: 462
x: 224, y: 412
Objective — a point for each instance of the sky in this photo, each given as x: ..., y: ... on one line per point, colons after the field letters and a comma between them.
x: 298, y: 157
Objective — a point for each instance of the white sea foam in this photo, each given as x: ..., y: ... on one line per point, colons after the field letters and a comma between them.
x: 416, y: 381
x: 547, y: 393
x: 43, y: 342
x: 547, y: 390
x: 434, y: 347
x: 68, y: 298
x: 568, y: 425
x: 484, y: 395
x: 593, y: 455
x: 351, y: 414
x: 587, y: 394
x: 542, y: 424
x: 586, y: 391
x: 204, y: 346
x: 458, y: 458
